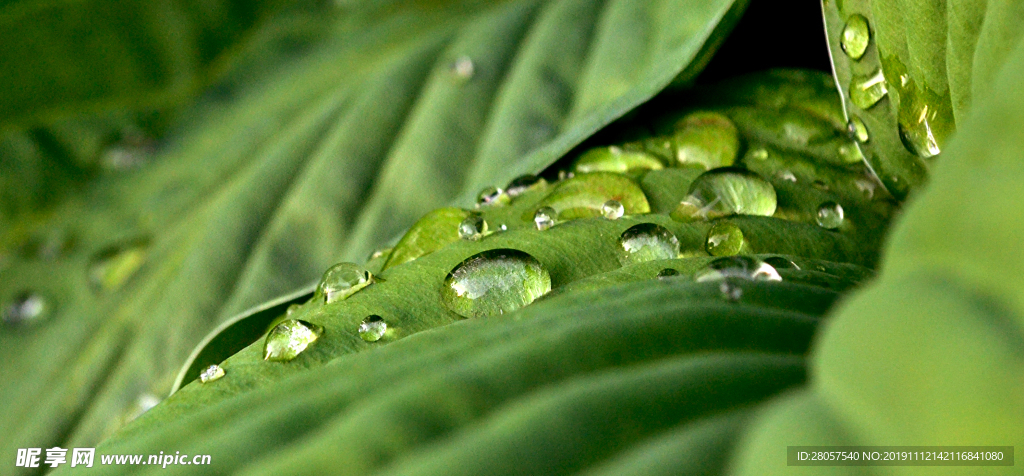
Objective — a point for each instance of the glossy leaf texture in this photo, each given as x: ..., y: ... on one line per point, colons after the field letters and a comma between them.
x: 932, y: 353
x: 910, y: 71
x: 618, y: 356
x: 297, y: 160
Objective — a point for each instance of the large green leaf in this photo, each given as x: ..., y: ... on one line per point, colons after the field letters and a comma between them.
x: 930, y: 60
x: 933, y: 352
x: 301, y: 160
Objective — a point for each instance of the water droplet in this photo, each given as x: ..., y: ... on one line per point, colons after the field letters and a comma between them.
x: 867, y: 186
x: 372, y: 328
x: 289, y: 338
x: 110, y: 268
x: 727, y: 191
x: 615, y: 159
x: 779, y: 262
x: 25, y: 309
x: 341, y: 281
x: 916, y: 132
x: 429, y: 234
x: 544, y: 218
x: 866, y: 91
x: 857, y: 130
x: 647, y: 242
x: 211, y: 373
x: 494, y: 282
x: 473, y: 227
x: 787, y: 176
x: 523, y: 184
x: 724, y: 239
x: 706, y: 138
x: 463, y: 68
x: 612, y: 210
x: 143, y: 404
x: 291, y: 310
x: 739, y: 267
x: 584, y: 195
x: 759, y: 153
x: 380, y: 253
x: 667, y: 273
x: 855, y: 37
x: 491, y: 196
x: 830, y: 215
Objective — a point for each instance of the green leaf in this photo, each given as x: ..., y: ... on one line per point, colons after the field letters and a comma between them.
x: 926, y: 62
x: 295, y: 162
x: 933, y: 352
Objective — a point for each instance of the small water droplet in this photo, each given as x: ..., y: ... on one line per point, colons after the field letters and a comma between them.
x: 855, y: 37
x: 211, y: 373
x: 647, y: 242
x: 738, y: 267
x: 25, y: 309
x: 473, y: 227
x: 779, y: 262
x: 143, y: 404
x: 759, y: 153
x: 916, y: 132
x: 867, y: 90
x: 291, y: 310
x: 380, y: 253
x: 341, y: 281
x: 867, y: 186
x: 787, y: 176
x: 667, y: 273
x: 709, y: 139
x: 724, y: 239
x: 491, y: 196
x: 544, y: 218
x: 727, y: 191
x: 463, y: 68
x: 830, y: 215
x: 494, y: 282
x: 289, y: 339
x: 612, y: 210
x: 372, y: 328
x: 110, y: 268
x: 523, y: 184
x: 857, y: 130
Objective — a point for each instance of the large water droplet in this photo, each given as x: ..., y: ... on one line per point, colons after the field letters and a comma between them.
x: 523, y: 184
x: 584, y: 195
x: 830, y: 215
x: 740, y: 267
x: 916, y: 132
x: 341, y: 281
x: 544, y: 218
x: 727, y: 191
x: 857, y: 130
x: 372, y: 328
x: 25, y: 309
x: 647, y: 242
x: 855, y: 37
x: 612, y: 210
x: 667, y: 273
x: 615, y: 159
x: 463, y: 68
x: 724, y: 239
x: 494, y: 282
x: 473, y: 227
x: 289, y: 339
x: 866, y: 91
x: 491, y: 196
x: 211, y: 373
x: 706, y: 138
x: 110, y: 268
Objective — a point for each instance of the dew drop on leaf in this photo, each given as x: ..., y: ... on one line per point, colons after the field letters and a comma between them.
x: 473, y: 227
x: 867, y: 90
x: 916, y: 132
x: 291, y: 310
x: 372, y: 328
x: 727, y: 191
x: 289, y: 338
x: 544, y: 218
x: 855, y: 37
x: 612, y: 210
x: 779, y: 262
x: 463, y: 68
x: 738, y: 267
x: 341, y: 281
x: 211, y: 373
x: 667, y: 273
x: 494, y: 282
x: 787, y: 176
x: 110, y: 268
x: 709, y: 139
x: 724, y: 239
x: 759, y: 153
x: 830, y: 215
x: 491, y: 196
x: 857, y: 130
x: 647, y: 242
x: 27, y: 308
x: 523, y: 184
x: 615, y: 159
